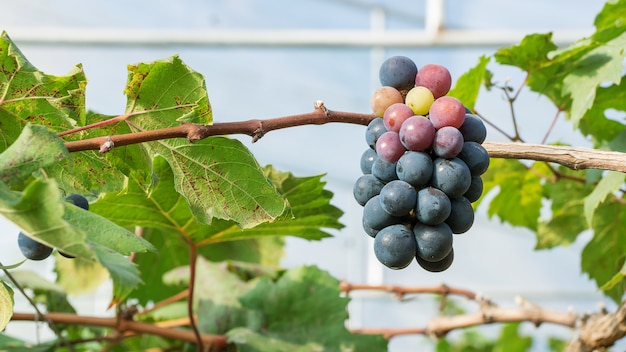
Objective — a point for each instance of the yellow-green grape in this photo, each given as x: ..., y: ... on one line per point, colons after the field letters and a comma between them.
x: 419, y: 99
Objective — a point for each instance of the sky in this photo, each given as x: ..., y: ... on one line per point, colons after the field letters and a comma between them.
x: 247, y: 82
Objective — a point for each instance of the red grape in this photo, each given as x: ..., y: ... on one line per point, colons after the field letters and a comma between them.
x: 435, y: 77
x: 417, y: 133
x: 395, y: 115
x: 388, y: 147
x: 447, y: 111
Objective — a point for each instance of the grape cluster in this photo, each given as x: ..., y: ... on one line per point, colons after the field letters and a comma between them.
x: 34, y: 250
x: 422, y: 169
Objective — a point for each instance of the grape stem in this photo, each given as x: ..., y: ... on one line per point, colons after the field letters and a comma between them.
x: 594, y: 330
x: 575, y: 158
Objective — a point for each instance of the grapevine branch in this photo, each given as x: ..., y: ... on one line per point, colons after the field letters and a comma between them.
x: 595, y: 331
x: 122, y: 326
x: 576, y: 158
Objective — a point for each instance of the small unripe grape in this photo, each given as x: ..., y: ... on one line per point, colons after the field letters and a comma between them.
x: 419, y: 99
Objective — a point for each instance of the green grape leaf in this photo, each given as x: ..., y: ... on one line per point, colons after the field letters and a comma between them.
x: 519, y: 188
x: 610, y: 21
x: 511, y: 340
x: 567, y: 199
x: 164, y: 208
x: 108, y: 234
x: 28, y: 95
x: 166, y: 92
x: 38, y: 211
x: 291, y: 308
x: 173, y: 253
x: 616, y: 279
x: 35, y: 147
x: 603, y: 256
x: 79, y: 276
x: 600, y: 65
x: 220, y: 178
x: 610, y: 183
x: 595, y: 122
x: 124, y: 273
x: 6, y: 304
x: 468, y: 84
x: 133, y: 160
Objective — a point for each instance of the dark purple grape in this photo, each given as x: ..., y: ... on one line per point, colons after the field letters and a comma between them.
x: 475, y: 157
x: 384, y: 170
x: 433, y: 242
x: 416, y: 168
x: 375, y: 217
x: 433, y: 206
x: 367, y: 159
x: 398, y: 72
x: 473, y: 129
x: 461, y: 216
x: 78, y: 201
x: 32, y: 249
x: 448, y: 142
x: 398, y: 198
x: 374, y: 129
x: 452, y: 176
x: 365, y: 187
x: 368, y: 230
x: 394, y: 246
x: 475, y: 189
x: 438, y: 266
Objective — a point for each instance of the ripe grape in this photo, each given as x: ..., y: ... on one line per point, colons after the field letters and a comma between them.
x: 433, y: 206
x: 447, y: 111
x: 452, y: 176
x: 374, y: 130
x: 473, y: 129
x: 367, y: 159
x: 419, y: 99
x: 389, y: 147
x: 395, y: 115
x: 398, y: 72
x: 32, y: 249
x: 375, y: 217
x: 366, y: 187
x: 384, y: 97
x: 461, y: 216
x: 398, y: 198
x: 394, y: 246
x: 384, y: 170
x: 436, y: 78
x: 438, y: 266
x: 368, y: 230
x: 475, y: 189
x: 448, y: 142
x: 417, y: 133
x: 416, y: 168
x: 78, y: 200
x: 476, y: 158
x: 433, y: 242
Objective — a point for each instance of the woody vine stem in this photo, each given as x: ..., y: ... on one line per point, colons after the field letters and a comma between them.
x: 576, y: 158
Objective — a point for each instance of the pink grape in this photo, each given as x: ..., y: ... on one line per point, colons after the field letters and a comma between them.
x: 395, y: 115
x: 448, y: 142
x: 383, y: 97
x: 435, y: 77
x: 447, y: 111
x: 388, y: 147
x: 417, y: 133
